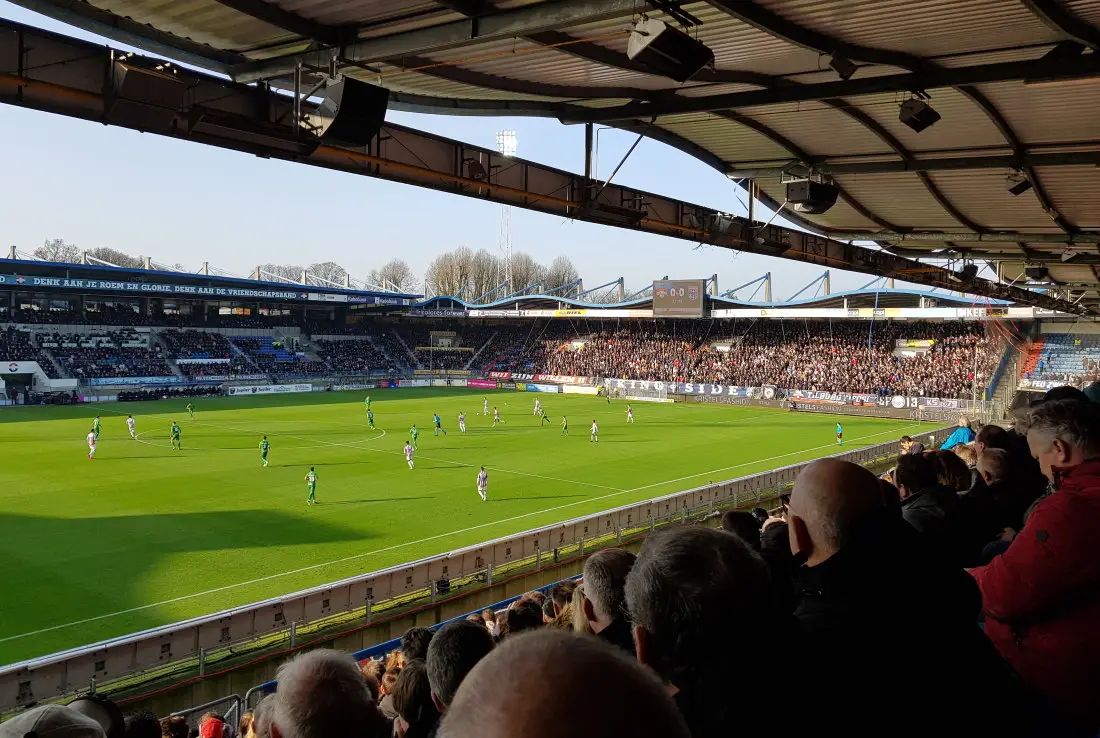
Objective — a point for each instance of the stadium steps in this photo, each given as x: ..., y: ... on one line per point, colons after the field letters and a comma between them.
x: 410, y: 358
x: 62, y: 373
x: 394, y: 361
x: 158, y: 340
x: 481, y: 350
x: 1033, y: 356
x: 240, y: 354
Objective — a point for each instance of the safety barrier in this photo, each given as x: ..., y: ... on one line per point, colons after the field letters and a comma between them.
x: 192, y: 647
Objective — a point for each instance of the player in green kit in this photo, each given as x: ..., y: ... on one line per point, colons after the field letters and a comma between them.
x: 839, y: 435
x: 564, y: 426
x: 311, y: 482
x: 95, y: 427
x: 264, y: 448
x: 366, y: 402
x: 370, y: 416
x: 414, y: 434
x: 191, y: 410
x: 176, y: 443
x: 545, y: 418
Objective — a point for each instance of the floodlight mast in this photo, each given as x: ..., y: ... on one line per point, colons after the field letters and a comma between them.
x: 507, y: 145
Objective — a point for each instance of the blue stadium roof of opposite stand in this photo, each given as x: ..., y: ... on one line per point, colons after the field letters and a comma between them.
x: 49, y: 269
x: 856, y: 298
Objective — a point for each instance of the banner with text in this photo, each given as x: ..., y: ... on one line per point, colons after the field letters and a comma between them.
x: 481, y: 384
x: 269, y: 389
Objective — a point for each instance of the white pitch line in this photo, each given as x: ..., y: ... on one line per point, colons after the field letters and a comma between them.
x: 395, y: 547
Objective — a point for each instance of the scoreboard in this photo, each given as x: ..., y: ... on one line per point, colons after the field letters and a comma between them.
x: 682, y: 298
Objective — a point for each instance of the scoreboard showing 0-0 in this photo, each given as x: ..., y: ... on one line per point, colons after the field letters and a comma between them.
x: 682, y: 298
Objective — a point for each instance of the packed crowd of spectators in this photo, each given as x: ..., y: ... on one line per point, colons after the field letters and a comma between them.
x: 353, y: 356
x: 17, y: 346
x: 123, y: 353
x: 831, y: 357
x: 196, y: 345
x: 127, y: 315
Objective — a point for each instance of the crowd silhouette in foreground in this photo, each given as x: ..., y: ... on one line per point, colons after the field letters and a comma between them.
x: 956, y: 594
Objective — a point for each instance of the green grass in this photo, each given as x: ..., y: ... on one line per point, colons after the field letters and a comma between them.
x: 145, y: 535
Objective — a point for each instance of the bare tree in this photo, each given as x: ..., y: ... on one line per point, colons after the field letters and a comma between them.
x: 485, y: 274
x: 115, y: 257
x: 329, y: 271
x: 394, y: 272
x: 289, y: 272
x: 449, y: 273
x: 560, y: 273
x: 55, y: 249
x: 525, y: 270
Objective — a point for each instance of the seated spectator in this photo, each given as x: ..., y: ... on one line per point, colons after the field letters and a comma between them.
x: 385, y: 691
x: 142, y: 724
x: 524, y: 615
x: 1011, y: 500
x: 452, y: 654
x: 417, y: 716
x: 962, y: 434
x: 323, y: 695
x: 414, y: 643
x: 1041, y: 597
x: 211, y: 726
x: 886, y: 613
x: 576, y: 608
x: 174, y: 726
x: 51, y: 721
x: 522, y: 688
x: 990, y: 436
x: 951, y: 471
x: 693, y: 595
x: 246, y: 727
x: 761, y: 515
x: 744, y: 525
x: 103, y: 711
x: 909, y: 446
x: 927, y: 504
x: 604, y: 602
x: 560, y: 595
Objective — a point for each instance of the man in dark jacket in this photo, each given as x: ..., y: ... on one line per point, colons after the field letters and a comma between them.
x: 887, y: 618
x: 604, y: 600
x: 1041, y: 597
x: 930, y: 507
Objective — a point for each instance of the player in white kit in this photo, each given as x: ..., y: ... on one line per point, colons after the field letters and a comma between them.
x: 629, y: 414
x: 485, y: 406
x: 538, y: 408
x: 462, y: 422
x: 91, y: 444
x: 496, y: 416
x: 595, y: 432
x: 483, y: 484
x: 130, y: 426
x: 409, y: 453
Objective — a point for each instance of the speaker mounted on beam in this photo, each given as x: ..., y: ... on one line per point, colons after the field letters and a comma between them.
x: 668, y: 51
x: 351, y: 113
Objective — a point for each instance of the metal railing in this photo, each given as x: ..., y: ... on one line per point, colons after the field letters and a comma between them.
x: 197, y: 646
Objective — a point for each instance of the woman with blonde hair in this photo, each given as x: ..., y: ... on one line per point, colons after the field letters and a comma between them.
x: 576, y: 605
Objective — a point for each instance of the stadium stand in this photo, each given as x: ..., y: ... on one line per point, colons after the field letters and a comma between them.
x: 196, y: 345
x: 272, y: 357
x: 353, y: 356
x: 1064, y: 357
x: 17, y: 346
x: 121, y: 353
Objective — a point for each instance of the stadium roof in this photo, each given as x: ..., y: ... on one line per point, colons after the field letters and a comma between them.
x: 1017, y: 85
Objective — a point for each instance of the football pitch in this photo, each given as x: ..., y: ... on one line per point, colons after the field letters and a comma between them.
x: 146, y: 535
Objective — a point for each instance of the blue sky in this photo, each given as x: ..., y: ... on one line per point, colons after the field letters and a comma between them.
x: 181, y: 202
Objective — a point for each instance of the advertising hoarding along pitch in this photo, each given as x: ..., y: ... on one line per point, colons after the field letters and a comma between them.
x: 681, y: 298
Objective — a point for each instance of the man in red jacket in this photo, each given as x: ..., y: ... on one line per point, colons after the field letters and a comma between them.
x: 1041, y: 598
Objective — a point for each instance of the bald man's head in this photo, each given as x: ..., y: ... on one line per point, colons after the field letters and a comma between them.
x: 521, y: 688
x: 829, y: 500
x: 994, y: 465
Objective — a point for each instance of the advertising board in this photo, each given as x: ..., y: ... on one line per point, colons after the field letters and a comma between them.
x: 269, y: 389
x: 481, y: 383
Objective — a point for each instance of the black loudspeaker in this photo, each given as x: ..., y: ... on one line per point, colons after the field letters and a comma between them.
x: 351, y: 113
x: 1037, y: 274
x: 917, y: 114
x: 807, y: 196
x: 667, y: 51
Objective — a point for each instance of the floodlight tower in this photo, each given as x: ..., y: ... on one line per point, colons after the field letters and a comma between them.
x: 506, y: 146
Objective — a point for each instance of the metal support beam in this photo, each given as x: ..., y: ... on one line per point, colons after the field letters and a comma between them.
x: 1080, y: 237
x: 504, y: 24
x: 940, y: 164
x: 824, y: 277
x: 68, y: 77
x: 588, y: 153
x: 1045, y: 69
x: 274, y: 15
x: 1062, y: 19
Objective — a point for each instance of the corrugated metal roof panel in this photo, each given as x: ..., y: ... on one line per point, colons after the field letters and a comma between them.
x: 1048, y: 113
x: 982, y: 196
x: 424, y: 84
x: 818, y: 129
x: 900, y: 198
x: 963, y: 123
x: 1086, y: 10
x: 1075, y: 192
x: 727, y: 140
x: 364, y: 12
x: 205, y: 21
x: 926, y: 28
x: 841, y: 215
